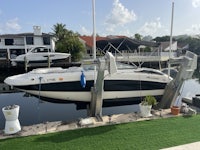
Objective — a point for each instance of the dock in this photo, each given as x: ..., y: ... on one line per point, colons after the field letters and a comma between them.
x: 4, y: 88
x: 5, y: 64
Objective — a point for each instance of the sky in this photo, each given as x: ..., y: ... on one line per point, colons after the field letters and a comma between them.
x: 113, y: 17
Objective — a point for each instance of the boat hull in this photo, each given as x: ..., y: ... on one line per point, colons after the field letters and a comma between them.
x: 114, y: 90
x: 39, y: 55
x: 64, y: 85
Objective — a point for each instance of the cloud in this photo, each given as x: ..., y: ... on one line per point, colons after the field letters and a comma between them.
x: 13, y: 25
x: 150, y: 28
x: 85, y: 31
x: 195, y: 3
x: 119, y: 16
x: 194, y: 29
x: 10, y: 26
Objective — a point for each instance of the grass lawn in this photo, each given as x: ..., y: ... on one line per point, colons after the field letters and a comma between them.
x: 153, y: 134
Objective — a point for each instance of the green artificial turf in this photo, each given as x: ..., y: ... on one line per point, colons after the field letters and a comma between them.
x: 153, y: 134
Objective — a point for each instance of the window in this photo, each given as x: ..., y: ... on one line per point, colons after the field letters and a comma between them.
x: 16, y: 52
x: 3, y: 53
x: 88, y: 51
x: 40, y: 50
x: 46, y: 40
x: 29, y: 40
x: 9, y: 41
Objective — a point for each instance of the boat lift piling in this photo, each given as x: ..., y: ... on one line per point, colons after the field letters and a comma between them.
x: 26, y: 64
x: 49, y: 61
x: 188, y: 64
x: 97, y: 91
x: 108, y: 62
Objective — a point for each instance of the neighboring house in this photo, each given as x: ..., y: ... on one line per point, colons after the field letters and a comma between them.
x: 165, y: 46
x: 165, y: 49
x: 12, y: 45
x: 177, y: 49
x: 114, y: 44
x: 129, y: 46
x: 88, y: 43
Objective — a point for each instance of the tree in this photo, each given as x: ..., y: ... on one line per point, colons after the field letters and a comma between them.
x: 162, y: 39
x: 68, y: 42
x: 147, y: 49
x: 59, y: 31
x: 138, y: 37
x: 194, y: 43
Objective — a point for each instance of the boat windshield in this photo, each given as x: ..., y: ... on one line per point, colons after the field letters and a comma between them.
x: 39, y: 50
x: 88, y: 67
x: 124, y: 66
x: 119, y: 66
x: 150, y: 72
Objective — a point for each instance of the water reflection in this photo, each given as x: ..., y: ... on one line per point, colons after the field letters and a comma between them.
x: 32, y: 112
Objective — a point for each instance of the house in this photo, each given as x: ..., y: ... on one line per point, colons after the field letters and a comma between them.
x: 114, y: 44
x: 12, y: 45
x: 165, y: 46
x: 177, y: 49
x: 87, y: 41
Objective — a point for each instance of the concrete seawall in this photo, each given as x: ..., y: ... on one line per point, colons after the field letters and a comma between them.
x: 50, y: 127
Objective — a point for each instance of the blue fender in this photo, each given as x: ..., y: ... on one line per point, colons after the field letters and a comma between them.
x: 83, y: 80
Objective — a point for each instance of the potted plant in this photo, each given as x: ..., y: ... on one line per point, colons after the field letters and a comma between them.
x: 146, y: 105
x: 175, y: 109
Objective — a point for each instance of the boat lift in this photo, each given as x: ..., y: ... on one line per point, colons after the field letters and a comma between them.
x: 188, y: 64
x: 105, y: 63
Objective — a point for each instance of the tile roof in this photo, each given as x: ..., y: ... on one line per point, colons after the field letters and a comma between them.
x: 89, y: 39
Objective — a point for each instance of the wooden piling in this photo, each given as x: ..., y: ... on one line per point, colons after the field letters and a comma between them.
x: 26, y: 64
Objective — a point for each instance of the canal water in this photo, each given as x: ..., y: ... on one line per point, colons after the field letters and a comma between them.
x: 33, y: 112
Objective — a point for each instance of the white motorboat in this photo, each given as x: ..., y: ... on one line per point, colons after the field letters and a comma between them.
x: 64, y: 85
x: 39, y: 54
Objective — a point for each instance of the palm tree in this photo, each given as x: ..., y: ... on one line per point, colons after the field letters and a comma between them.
x: 59, y: 31
x: 68, y: 41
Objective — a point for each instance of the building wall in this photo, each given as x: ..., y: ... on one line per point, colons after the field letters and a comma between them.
x: 173, y: 47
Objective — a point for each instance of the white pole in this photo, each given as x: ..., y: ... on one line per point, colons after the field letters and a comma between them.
x: 94, y: 37
x: 170, y: 44
x: 94, y: 29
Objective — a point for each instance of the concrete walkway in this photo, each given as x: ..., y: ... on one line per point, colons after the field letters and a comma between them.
x: 191, y: 146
